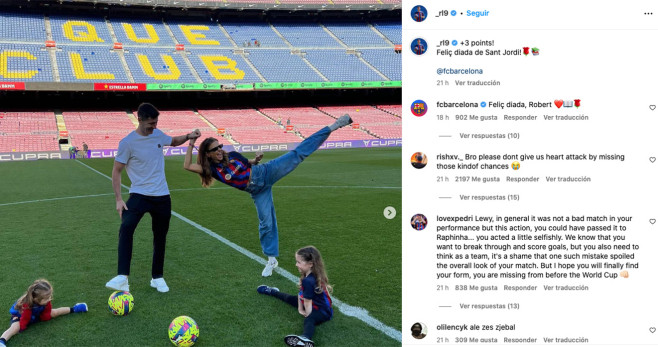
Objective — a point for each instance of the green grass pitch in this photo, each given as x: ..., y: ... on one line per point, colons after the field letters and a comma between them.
x: 58, y: 221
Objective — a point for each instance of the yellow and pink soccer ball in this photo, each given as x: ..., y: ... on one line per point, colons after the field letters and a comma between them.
x: 183, y: 331
x: 120, y: 303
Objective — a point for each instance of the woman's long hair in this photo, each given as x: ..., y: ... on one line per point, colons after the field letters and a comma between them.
x: 312, y: 255
x: 203, y: 160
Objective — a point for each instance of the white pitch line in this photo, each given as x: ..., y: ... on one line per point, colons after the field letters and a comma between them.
x: 313, y: 187
x: 55, y: 199
x: 186, y: 189
x: 348, y: 310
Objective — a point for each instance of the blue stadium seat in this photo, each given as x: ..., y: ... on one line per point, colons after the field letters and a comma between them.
x: 80, y: 31
x: 212, y: 35
x: 251, y: 31
x: 339, y: 66
x: 21, y: 66
x: 386, y: 61
x: 141, y: 32
x: 355, y: 34
x: 85, y: 44
x: 305, y: 34
x: 392, y: 30
x: 160, y: 67
x: 281, y: 66
x: 22, y: 27
x: 94, y: 60
x: 238, y: 64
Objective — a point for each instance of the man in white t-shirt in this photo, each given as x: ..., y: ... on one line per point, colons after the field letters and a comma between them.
x: 141, y: 154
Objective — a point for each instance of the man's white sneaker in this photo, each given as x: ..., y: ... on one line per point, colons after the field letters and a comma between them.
x: 160, y: 285
x: 119, y: 282
x: 269, y: 267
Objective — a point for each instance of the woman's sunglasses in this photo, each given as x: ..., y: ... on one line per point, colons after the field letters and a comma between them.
x: 214, y: 149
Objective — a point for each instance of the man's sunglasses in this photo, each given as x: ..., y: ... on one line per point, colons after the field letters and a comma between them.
x: 214, y: 149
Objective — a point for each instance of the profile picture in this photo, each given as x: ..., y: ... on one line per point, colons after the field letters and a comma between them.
x: 418, y: 221
x: 418, y: 46
x: 418, y: 160
x: 419, y: 13
x: 419, y: 330
x: 419, y: 108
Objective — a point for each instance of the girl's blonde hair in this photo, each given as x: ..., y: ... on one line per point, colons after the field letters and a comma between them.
x: 38, y: 291
x: 312, y: 255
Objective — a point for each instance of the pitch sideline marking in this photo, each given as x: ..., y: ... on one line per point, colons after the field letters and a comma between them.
x: 55, y: 199
x: 185, y: 189
x: 348, y: 310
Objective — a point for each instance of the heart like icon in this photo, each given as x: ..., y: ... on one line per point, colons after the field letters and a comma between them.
x: 652, y: 329
x: 652, y: 159
x: 558, y: 103
x: 652, y: 107
x: 652, y: 221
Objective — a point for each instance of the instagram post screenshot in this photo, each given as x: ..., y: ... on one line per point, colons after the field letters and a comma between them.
x: 528, y: 172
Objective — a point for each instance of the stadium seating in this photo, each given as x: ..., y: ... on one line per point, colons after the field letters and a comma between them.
x: 347, y: 133
x: 385, y: 131
x: 355, y: 34
x: 158, y: 65
x: 22, y: 27
x: 199, y: 34
x: 392, y: 30
x: 371, y: 120
x: 305, y: 34
x: 27, y: 123
x: 282, y: 66
x: 214, y: 66
x: 37, y: 131
x: 299, y: 116
x: 351, y: 68
x: 80, y: 31
x: 181, y: 121
x: 90, y: 64
x: 100, y: 130
x: 28, y: 132
x: 251, y: 31
x: 109, y: 140
x: 360, y: 114
x: 392, y: 109
x: 31, y: 143
x: 131, y: 32
x: 247, y: 126
x: 384, y: 60
x: 26, y: 62
x: 224, y: 52
x: 308, y: 120
x: 91, y: 122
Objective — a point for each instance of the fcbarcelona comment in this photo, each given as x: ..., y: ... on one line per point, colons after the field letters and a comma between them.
x: 530, y: 190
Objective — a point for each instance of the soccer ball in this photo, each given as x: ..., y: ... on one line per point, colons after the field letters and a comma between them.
x: 120, y: 303
x: 183, y: 331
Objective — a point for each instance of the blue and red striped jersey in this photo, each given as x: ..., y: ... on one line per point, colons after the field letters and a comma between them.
x: 236, y: 173
x: 321, y: 301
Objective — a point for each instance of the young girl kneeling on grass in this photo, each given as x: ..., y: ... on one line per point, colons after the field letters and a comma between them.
x: 313, y: 300
x: 35, y: 306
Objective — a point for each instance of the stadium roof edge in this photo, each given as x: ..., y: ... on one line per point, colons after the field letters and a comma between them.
x: 197, y: 4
